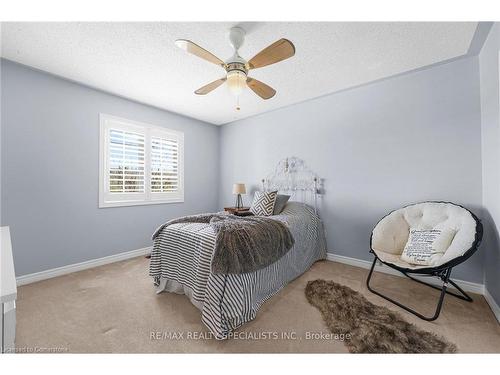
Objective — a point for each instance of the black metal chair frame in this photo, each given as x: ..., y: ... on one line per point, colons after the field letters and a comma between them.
x: 443, y: 272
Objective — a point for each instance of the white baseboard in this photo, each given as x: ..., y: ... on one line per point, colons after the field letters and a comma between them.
x: 465, y: 285
x: 493, y: 305
x: 54, y: 272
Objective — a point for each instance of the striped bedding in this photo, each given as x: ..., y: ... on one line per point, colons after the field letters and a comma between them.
x: 180, y: 262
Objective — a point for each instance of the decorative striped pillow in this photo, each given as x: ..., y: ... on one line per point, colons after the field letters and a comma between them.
x: 263, y: 203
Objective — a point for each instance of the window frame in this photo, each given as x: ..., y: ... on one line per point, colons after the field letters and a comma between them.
x: 107, y: 199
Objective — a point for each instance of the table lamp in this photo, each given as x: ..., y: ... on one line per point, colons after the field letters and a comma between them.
x: 239, y: 189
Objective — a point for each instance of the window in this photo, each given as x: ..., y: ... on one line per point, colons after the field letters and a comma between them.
x: 139, y: 163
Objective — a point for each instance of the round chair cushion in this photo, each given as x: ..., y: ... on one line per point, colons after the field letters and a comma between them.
x: 390, y: 235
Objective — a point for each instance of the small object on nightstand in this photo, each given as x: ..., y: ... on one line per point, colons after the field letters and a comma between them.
x: 239, y: 189
x: 241, y: 211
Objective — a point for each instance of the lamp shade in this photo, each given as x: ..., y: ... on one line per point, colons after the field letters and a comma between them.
x: 239, y: 189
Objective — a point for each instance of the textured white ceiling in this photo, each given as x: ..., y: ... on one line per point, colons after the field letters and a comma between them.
x: 140, y: 60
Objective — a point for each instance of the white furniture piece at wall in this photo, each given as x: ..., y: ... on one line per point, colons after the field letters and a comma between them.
x: 8, y: 292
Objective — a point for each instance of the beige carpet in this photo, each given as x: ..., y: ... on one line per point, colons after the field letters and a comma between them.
x: 114, y: 308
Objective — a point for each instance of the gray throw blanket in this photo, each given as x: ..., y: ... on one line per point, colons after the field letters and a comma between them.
x: 242, y: 244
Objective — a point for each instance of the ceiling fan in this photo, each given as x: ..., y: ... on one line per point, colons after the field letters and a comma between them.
x: 237, y: 68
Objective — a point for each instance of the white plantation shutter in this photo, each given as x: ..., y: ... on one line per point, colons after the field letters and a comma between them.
x: 166, y: 168
x: 139, y: 164
x: 164, y: 165
x: 126, y: 162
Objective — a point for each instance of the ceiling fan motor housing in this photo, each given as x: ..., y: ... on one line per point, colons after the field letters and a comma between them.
x: 231, y: 66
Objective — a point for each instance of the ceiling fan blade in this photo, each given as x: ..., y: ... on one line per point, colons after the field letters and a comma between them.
x: 278, y: 51
x: 210, y: 87
x: 261, y: 89
x: 195, y: 49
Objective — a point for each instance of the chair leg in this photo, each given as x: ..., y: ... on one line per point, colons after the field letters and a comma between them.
x: 463, y: 295
x: 446, y: 279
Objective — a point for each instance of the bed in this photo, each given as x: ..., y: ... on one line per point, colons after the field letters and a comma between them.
x: 182, y: 255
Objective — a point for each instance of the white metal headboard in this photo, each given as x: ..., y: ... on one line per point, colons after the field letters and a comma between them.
x: 291, y: 175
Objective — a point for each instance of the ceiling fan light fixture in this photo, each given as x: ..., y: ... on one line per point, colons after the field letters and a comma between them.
x: 236, y: 81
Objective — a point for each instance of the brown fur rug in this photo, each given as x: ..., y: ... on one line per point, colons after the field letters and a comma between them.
x: 372, y: 329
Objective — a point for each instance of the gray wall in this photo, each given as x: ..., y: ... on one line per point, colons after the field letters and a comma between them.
x: 409, y: 138
x: 372, y: 144
x: 50, y: 151
x: 490, y: 130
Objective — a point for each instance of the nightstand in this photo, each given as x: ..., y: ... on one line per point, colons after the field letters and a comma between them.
x: 242, y: 211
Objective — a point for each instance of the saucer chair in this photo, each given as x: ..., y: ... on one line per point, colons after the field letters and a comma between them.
x: 390, y: 235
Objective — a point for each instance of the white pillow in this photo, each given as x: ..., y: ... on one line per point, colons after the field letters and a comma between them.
x: 426, y: 246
